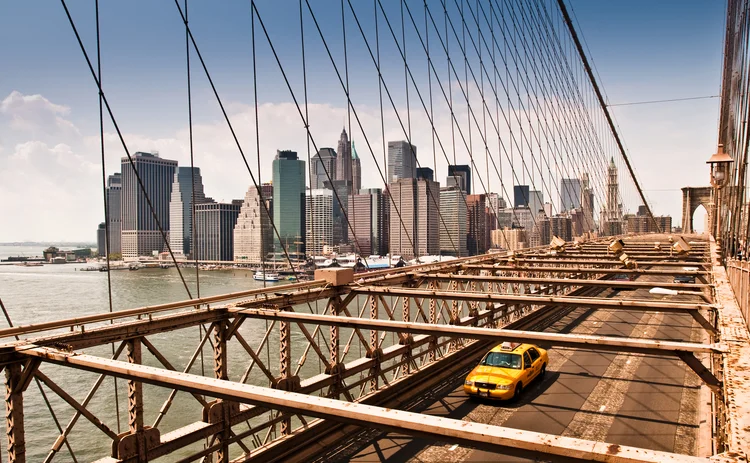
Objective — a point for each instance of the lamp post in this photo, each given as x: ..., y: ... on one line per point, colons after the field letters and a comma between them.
x: 719, y: 163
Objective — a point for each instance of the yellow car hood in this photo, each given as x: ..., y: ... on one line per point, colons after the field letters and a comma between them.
x: 494, y: 375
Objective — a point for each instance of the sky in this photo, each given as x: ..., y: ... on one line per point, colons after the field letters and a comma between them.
x: 50, y: 159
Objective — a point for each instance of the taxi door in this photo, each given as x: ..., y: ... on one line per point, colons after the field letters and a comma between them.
x: 530, y: 368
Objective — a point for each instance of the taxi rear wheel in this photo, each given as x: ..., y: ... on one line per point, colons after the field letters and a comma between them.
x: 544, y: 370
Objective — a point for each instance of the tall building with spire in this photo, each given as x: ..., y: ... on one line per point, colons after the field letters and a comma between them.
x: 356, y: 171
x: 344, y: 158
x: 611, y: 216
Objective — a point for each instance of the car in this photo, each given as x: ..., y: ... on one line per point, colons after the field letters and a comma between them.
x: 684, y: 279
x: 621, y: 277
x: 505, y: 370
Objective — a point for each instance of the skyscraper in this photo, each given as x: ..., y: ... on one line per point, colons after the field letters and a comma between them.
x: 414, y: 218
x: 402, y: 160
x: 289, y: 201
x: 496, y: 210
x: 536, y: 201
x: 318, y: 220
x: 611, y: 215
x: 368, y: 216
x: 214, y: 230
x: 464, y: 172
x: 181, y: 210
x: 344, y: 158
x: 322, y: 165
x: 570, y: 194
x: 453, y: 230
x: 457, y: 181
x: 428, y: 218
x: 343, y: 189
x: 114, y: 205
x: 562, y: 227
x: 587, y: 203
x: 253, y: 233
x: 140, y: 233
x: 101, y: 245
x: 425, y: 173
x: 511, y: 239
x: 477, y: 238
x: 523, y: 218
x: 356, y: 171
x: 540, y: 233
x: 520, y: 195
x: 403, y: 217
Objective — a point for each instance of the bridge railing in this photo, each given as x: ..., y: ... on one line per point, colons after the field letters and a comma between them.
x: 738, y: 272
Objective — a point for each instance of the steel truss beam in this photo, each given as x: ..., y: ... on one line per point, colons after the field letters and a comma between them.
x: 684, y: 350
x: 150, y: 310
x: 493, y: 438
x: 578, y: 341
x: 585, y: 270
x: 610, y: 262
x: 599, y: 303
x: 560, y: 281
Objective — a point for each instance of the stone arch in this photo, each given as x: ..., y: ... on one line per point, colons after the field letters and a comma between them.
x: 692, y: 197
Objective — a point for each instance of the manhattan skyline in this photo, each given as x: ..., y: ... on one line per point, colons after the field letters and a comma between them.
x: 49, y: 136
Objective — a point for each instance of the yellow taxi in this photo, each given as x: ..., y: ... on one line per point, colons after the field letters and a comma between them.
x: 506, y: 370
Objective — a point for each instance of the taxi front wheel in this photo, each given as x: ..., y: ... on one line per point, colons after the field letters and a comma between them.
x: 517, y: 393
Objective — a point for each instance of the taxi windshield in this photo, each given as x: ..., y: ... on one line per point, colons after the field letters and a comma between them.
x: 503, y: 360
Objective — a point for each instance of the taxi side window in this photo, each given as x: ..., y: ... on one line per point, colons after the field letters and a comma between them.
x: 534, y: 354
x: 527, y: 360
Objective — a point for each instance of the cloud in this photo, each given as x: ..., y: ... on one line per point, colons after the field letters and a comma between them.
x: 36, y: 115
x: 50, y: 174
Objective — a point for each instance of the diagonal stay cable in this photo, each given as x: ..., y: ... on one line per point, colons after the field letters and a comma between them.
x: 231, y: 129
x: 473, y: 116
x: 302, y: 116
x: 124, y: 145
x: 356, y: 116
x: 448, y: 99
x: 41, y: 391
x: 545, y: 128
x: 424, y: 106
x: 105, y: 196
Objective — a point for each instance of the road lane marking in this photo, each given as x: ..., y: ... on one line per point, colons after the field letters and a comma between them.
x: 610, y: 391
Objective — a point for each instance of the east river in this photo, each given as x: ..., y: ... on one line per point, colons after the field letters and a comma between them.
x: 52, y: 292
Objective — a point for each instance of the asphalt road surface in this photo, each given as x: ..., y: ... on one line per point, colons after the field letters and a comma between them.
x: 636, y: 400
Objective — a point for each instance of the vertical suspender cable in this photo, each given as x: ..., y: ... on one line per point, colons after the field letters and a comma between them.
x: 605, y: 110
x: 104, y: 194
x: 193, y: 233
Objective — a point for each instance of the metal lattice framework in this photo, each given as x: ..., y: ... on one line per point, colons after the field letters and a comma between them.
x: 411, y: 326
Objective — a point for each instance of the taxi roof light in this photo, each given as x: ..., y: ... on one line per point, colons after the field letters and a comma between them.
x: 509, y: 345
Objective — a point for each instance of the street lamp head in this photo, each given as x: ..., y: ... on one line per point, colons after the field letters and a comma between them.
x: 719, y: 163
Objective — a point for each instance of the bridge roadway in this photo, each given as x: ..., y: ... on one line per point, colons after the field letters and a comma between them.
x: 627, y: 399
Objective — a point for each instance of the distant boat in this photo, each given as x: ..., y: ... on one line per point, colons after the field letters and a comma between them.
x: 134, y: 266
x: 27, y: 263
x: 265, y: 276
